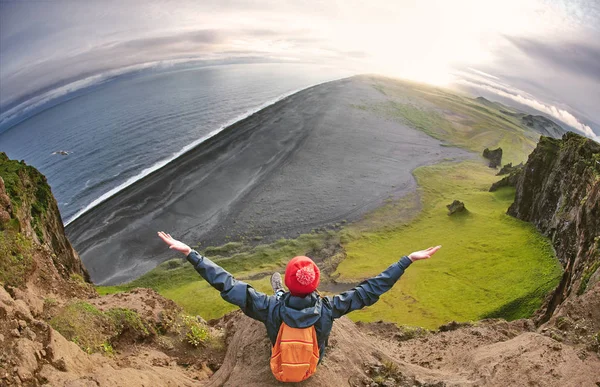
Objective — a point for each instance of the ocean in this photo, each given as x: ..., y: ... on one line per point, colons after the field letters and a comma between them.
x: 120, y: 131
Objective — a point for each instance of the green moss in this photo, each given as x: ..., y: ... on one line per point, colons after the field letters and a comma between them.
x: 50, y: 302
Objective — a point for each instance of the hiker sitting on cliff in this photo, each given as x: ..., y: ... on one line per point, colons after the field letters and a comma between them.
x: 299, y: 321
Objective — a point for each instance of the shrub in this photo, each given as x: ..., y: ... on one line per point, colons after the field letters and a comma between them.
x: 196, y: 332
x: 127, y: 320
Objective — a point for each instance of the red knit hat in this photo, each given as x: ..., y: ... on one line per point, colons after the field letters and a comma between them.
x: 301, y: 276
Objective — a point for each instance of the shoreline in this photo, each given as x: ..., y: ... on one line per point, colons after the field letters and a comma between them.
x: 306, y: 161
x: 188, y: 148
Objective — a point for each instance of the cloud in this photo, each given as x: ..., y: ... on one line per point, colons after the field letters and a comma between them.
x: 560, y: 114
x: 581, y: 57
x: 483, y: 73
x: 560, y: 70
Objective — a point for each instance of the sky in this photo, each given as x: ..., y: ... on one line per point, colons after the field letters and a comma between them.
x: 543, y: 54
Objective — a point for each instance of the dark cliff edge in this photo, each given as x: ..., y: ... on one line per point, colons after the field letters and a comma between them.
x: 558, y: 190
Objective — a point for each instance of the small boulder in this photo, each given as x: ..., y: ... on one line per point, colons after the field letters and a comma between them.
x: 456, y: 206
x: 495, y: 157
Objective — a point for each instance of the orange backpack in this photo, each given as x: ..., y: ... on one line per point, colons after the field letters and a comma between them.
x: 295, y: 354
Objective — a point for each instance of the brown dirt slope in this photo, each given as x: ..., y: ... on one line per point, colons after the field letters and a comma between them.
x: 33, y: 354
x: 487, y: 353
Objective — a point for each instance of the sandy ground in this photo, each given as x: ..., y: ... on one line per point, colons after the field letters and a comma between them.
x: 308, y: 161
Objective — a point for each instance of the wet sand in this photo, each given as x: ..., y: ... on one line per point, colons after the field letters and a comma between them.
x: 308, y: 161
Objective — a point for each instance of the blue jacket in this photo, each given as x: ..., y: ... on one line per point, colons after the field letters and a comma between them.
x: 297, y: 312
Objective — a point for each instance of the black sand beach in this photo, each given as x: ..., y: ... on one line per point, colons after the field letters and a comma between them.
x: 308, y: 161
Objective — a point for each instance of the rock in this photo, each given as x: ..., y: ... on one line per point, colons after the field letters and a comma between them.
x: 594, y: 279
x: 6, y: 311
x: 5, y: 298
x: 508, y: 181
x: 25, y: 351
x: 60, y: 364
x: 389, y: 382
x: 66, y: 355
x: 34, y: 302
x: 22, y: 311
x: 456, y: 206
x: 28, y: 333
x: 15, y: 333
x: 454, y: 325
x: 495, y: 157
x: 508, y: 168
x: 24, y: 374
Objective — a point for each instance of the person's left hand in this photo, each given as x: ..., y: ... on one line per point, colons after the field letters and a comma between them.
x: 424, y: 254
x: 174, y: 243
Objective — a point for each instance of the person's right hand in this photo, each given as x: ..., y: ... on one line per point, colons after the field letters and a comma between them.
x: 174, y: 243
x: 423, y: 254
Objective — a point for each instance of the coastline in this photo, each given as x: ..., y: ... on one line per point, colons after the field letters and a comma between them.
x: 158, y: 165
x: 308, y: 160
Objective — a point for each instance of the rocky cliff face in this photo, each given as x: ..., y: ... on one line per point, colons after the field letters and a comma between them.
x: 31, y: 228
x: 558, y: 191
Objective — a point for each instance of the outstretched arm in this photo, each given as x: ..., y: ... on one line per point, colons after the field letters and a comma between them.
x: 253, y: 303
x: 368, y: 292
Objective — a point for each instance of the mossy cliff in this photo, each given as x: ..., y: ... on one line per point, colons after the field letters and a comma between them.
x: 30, y: 224
x: 558, y: 191
x: 52, y: 319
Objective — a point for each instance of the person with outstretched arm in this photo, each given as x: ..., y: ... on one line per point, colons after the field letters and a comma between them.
x: 298, y: 321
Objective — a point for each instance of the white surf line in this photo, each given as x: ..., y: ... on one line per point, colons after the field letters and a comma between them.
x: 188, y: 147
